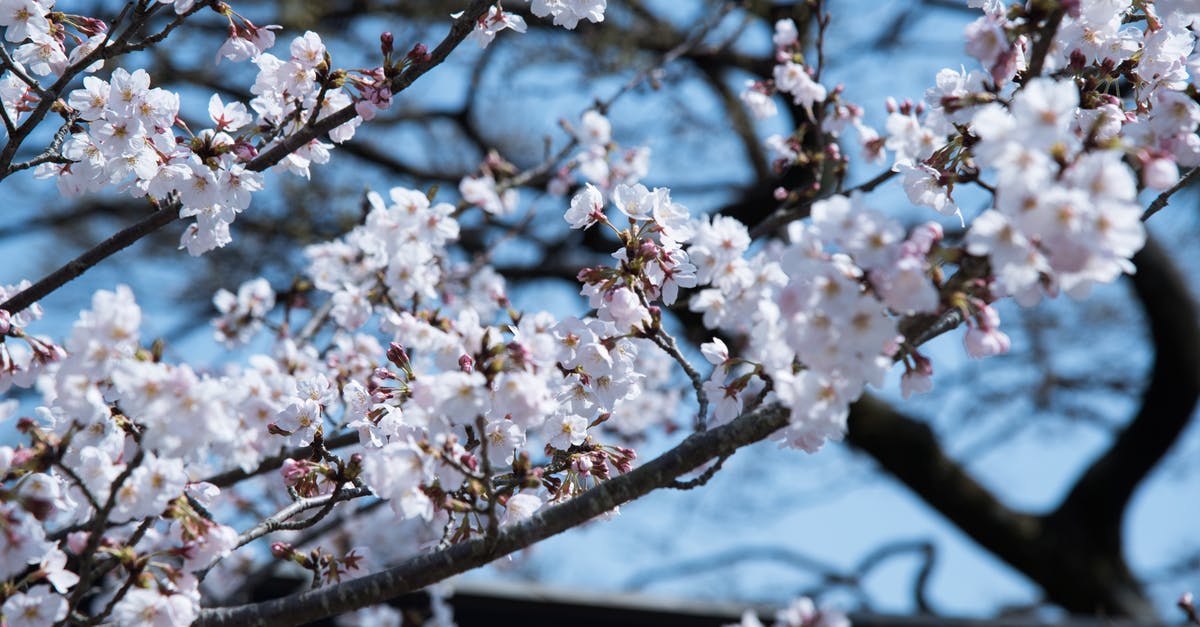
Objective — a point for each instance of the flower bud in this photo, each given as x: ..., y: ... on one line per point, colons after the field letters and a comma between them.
x: 282, y: 550
x: 293, y: 471
x: 397, y: 355
x: 244, y: 150
x: 90, y: 26
x: 418, y: 54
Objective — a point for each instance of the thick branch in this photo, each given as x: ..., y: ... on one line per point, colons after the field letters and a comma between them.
x: 910, y: 451
x: 91, y: 257
x: 1168, y: 403
x: 423, y: 570
x: 1093, y: 512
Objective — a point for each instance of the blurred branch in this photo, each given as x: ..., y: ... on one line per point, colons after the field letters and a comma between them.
x: 1097, y: 502
x: 909, y: 450
x: 829, y: 575
x: 724, y: 560
x: 1075, y: 552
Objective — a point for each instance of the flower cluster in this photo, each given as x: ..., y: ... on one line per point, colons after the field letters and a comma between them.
x: 653, y: 262
x: 565, y: 13
x: 533, y: 384
x: 600, y: 161
x: 179, y: 415
x: 817, y: 330
x: 825, y: 112
x: 1072, y: 132
x: 130, y: 140
x: 1064, y: 217
x: 790, y: 76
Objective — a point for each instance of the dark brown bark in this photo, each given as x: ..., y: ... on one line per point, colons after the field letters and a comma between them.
x: 1075, y: 552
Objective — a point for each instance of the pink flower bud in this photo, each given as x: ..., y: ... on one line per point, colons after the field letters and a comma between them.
x: 244, y: 150
x: 397, y: 355
x: 988, y: 318
x: 293, y: 471
x: 23, y: 455
x: 282, y: 550
x: 90, y: 26
x: 980, y: 343
x: 418, y: 54
x: 915, y: 382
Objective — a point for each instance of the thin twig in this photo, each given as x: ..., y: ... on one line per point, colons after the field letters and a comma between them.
x: 130, y: 579
x: 98, y: 525
x: 489, y: 489
x: 314, y: 324
x: 789, y: 213
x: 1161, y: 201
x: 13, y: 67
x: 237, y: 475
x: 702, y: 478
x: 602, y: 106
x: 53, y: 152
x: 279, y: 521
x: 666, y: 342
x: 1041, y: 48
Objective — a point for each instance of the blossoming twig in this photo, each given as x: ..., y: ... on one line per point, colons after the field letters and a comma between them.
x: 787, y: 214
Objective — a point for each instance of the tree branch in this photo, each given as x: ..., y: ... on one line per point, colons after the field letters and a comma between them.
x: 910, y: 451
x: 420, y: 571
x: 1161, y: 201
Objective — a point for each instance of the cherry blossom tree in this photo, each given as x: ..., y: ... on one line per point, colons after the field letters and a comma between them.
x: 408, y: 421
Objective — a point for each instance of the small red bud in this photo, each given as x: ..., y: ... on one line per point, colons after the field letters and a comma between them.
x: 418, y: 54
x: 282, y: 550
x: 397, y: 355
